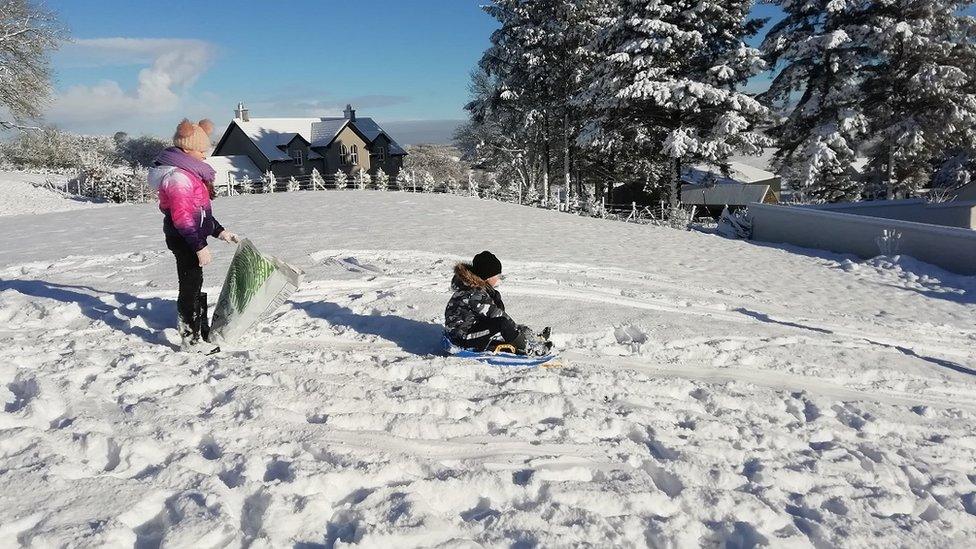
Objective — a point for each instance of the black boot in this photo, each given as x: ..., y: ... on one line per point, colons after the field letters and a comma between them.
x: 203, y: 316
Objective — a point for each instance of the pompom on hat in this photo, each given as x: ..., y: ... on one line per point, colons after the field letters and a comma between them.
x: 193, y: 137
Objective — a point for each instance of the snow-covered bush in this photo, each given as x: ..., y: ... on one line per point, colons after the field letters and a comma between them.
x: 341, y: 179
x: 428, y: 184
x: 678, y: 217
x: 472, y: 185
x: 269, y: 182
x: 402, y: 180
x: 246, y: 185
x: 494, y: 189
x: 382, y: 180
x: 532, y: 196
x: 453, y: 187
x: 317, y: 182
x: 292, y: 185
x: 363, y: 179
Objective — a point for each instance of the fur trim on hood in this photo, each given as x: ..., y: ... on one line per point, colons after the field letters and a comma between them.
x: 464, y: 276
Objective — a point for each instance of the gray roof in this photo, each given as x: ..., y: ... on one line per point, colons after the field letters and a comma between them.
x: 325, y: 130
x: 725, y: 194
x: 703, y: 174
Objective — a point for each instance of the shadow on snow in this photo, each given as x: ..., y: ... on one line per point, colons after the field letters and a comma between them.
x: 158, y: 314
x: 413, y: 336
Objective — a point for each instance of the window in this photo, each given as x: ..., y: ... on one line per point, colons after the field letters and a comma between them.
x: 343, y: 155
x: 354, y: 156
x: 296, y: 155
x: 381, y: 153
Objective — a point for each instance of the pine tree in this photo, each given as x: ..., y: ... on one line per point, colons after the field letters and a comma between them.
x: 918, y: 92
x: 363, y: 179
x: 532, y: 196
x: 820, y: 46
x: 523, y: 122
x: 428, y: 185
x: 382, y: 180
x: 665, y: 87
x: 317, y: 181
x: 472, y: 185
x: 292, y: 185
x: 494, y: 190
x: 341, y: 179
x: 402, y: 180
x: 270, y: 182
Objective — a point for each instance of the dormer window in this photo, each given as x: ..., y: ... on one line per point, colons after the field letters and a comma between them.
x: 354, y: 156
x: 296, y: 156
x: 381, y: 153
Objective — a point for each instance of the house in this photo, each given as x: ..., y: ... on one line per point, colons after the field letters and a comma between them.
x: 707, y: 188
x: 233, y: 169
x: 293, y: 147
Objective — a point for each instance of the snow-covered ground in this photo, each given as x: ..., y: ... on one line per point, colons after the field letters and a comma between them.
x: 20, y: 194
x: 713, y: 391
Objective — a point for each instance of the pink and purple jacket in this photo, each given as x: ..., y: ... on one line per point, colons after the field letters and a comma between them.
x: 185, y: 203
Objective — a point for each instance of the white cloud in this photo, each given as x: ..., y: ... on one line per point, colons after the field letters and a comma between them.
x: 174, y: 65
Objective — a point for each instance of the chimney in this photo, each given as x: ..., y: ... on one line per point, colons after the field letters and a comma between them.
x: 350, y: 113
x: 241, y: 112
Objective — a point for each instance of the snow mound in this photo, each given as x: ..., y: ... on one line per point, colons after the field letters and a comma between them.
x: 798, y: 404
x: 21, y: 194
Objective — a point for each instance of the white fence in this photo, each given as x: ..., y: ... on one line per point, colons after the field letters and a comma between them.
x: 951, y: 248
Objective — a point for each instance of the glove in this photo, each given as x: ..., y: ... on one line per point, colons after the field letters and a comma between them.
x: 228, y: 236
x: 204, y: 256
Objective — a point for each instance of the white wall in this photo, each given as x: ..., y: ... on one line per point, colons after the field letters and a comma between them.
x: 951, y: 248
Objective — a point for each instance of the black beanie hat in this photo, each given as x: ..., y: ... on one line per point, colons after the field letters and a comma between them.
x: 486, y: 265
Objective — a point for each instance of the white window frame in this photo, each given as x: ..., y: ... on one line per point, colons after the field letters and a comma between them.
x: 354, y: 155
x: 299, y: 159
x: 343, y: 155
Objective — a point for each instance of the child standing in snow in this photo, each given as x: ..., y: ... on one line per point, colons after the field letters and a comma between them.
x: 475, y: 317
x: 185, y: 185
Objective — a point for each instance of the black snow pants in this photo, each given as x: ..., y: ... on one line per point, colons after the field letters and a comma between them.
x: 191, y: 303
x: 495, y: 331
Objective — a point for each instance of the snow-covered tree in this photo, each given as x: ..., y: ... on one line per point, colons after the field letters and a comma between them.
x: 140, y: 151
x: 452, y: 186
x: 363, y: 179
x: 428, y: 184
x: 292, y: 185
x: 382, y: 180
x: 402, y: 180
x: 270, y: 182
x: 666, y: 85
x: 494, y: 190
x: 918, y: 93
x: 317, y: 181
x: 820, y: 50
x: 532, y: 196
x: 246, y: 185
x: 28, y: 33
x: 524, y: 121
x: 472, y: 184
x: 574, y: 203
x: 590, y: 202
x: 341, y: 179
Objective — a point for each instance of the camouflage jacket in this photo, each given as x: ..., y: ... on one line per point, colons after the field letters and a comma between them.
x: 473, y: 300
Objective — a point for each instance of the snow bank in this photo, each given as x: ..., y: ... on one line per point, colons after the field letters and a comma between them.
x: 20, y: 194
x: 713, y: 391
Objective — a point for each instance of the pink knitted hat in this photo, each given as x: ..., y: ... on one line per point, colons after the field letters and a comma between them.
x: 193, y: 137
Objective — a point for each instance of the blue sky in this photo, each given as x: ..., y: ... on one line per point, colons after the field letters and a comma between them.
x: 140, y: 66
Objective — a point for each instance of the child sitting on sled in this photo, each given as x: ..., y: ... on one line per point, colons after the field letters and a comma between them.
x: 475, y: 317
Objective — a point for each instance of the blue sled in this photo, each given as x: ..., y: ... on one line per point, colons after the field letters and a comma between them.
x: 495, y: 359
